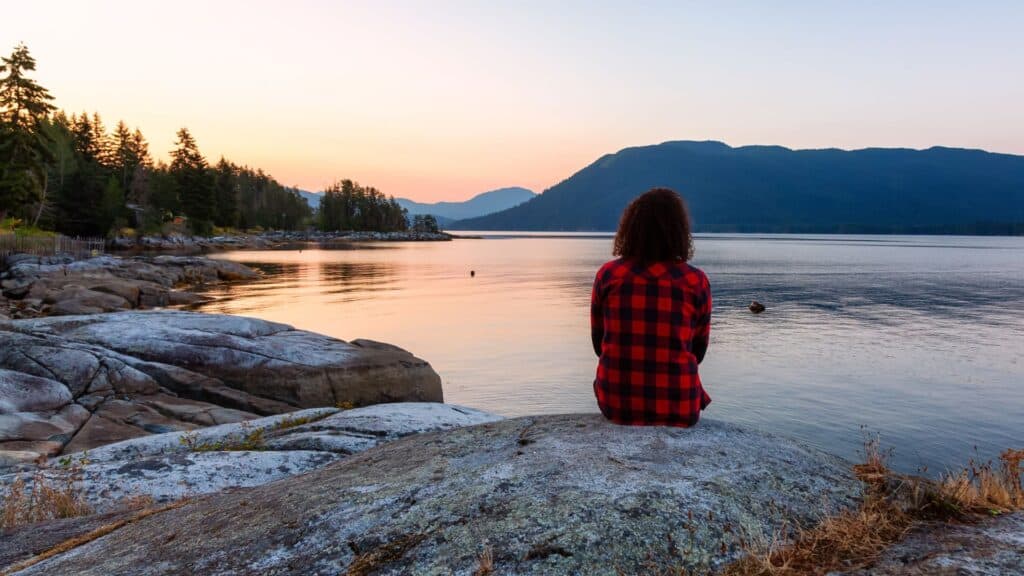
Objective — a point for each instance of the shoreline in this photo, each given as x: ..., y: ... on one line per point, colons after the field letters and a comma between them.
x: 263, y: 240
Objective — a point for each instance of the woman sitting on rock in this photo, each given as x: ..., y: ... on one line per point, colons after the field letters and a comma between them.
x: 650, y: 318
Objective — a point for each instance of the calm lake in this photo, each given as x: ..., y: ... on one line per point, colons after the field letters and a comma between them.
x: 917, y: 338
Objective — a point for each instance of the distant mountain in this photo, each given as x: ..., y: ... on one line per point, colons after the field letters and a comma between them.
x: 312, y: 198
x: 478, y: 205
x: 775, y: 189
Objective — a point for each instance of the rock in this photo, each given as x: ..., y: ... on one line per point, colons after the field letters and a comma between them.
x: 106, y: 283
x: 26, y: 393
x: 993, y: 546
x: 756, y: 307
x: 22, y: 543
x: 166, y: 467
x: 141, y: 373
x: 72, y: 300
x: 568, y: 494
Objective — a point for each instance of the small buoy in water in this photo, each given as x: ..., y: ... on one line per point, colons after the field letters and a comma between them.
x: 472, y: 273
x: 756, y: 307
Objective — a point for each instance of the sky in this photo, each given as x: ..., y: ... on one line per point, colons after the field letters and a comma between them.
x: 441, y: 100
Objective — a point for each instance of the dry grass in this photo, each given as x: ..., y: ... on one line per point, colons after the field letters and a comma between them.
x: 295, y: 421
x: 42, y: 499
x: 849, y: 539
x: 893, y: 504
x: 86, y: 538
x: 985, y: 489
x: 372, y: 561
x: 486, y: 565
x: 248, y: 440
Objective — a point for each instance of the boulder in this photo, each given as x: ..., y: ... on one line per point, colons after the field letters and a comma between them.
x: 571, y: 494
x: 141, y: 373
x: 71, y: 300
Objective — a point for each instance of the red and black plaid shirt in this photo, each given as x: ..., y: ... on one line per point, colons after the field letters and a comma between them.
x: 650, y: 326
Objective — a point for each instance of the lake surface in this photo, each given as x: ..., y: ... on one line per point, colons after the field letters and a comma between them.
x: 917, y: 338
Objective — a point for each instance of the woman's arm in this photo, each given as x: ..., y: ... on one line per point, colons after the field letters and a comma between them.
x: 596, y: 316
x: 702, y: 334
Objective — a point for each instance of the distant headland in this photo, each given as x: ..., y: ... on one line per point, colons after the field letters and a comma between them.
x: 776, y: 189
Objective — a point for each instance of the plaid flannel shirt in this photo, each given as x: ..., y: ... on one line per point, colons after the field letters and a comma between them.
x: 650, y: 327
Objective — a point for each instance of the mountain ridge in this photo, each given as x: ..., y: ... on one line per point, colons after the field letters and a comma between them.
x: 766, y: 188
x: 479, y: 205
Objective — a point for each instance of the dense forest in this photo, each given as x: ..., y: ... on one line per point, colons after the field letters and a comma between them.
x: 348, y: 206
x: 68, y: 173
x: 776, y: 189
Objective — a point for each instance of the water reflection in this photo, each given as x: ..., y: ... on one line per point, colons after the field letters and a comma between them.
x: 917, y: 338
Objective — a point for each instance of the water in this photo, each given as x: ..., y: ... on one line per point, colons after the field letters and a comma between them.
x: 918, y: 339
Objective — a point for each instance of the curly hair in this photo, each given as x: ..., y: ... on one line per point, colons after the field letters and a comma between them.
x: 655, y: 227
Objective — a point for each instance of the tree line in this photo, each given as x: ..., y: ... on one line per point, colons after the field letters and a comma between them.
x: 72, y: 175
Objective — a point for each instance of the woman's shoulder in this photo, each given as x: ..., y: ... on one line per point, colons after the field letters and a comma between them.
x: 693, y: 276
x: 616, y: 267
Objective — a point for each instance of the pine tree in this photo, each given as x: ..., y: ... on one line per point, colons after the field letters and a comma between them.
x: 102, y: 141
x: 24, y: 145
x: 226, y: 194
x: 193, y: 182
x: 129, y: 151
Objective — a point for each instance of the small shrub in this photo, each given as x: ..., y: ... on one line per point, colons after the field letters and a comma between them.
x: 248, y: 440
x: 345, y: 404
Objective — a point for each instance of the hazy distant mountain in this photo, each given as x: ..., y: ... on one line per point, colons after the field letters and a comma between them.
x: 313, y: 198
x: 478, y: 205
x: 775, y: 189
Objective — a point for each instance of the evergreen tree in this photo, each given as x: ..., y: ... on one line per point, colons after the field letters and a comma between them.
x: 193, y: 182
x: 86, y: 145
x: 63, y: 166
x: 24, y: 145
x: 128, y: 153
x: 225, y: 194
x: 102, y: 142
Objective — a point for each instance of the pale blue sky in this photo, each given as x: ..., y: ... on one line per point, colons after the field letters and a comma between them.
x: 440, y: 100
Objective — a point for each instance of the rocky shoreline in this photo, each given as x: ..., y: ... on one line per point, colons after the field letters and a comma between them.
x: 59, y: 286
x: 73, y: 383
x: 265, y: 240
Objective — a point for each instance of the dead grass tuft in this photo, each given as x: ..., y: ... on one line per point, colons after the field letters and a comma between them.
x: 44, y: 498
x: 373, y: 560
x: 985, y: 489
x: 893, y: 504
x: 248, y: 440
x: 295, y: 421
x: 486, y: 565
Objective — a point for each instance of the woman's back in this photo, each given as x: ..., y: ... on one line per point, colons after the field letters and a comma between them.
x: 650, y: 327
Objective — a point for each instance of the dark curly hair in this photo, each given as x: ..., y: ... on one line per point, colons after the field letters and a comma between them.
x: 655, y: 227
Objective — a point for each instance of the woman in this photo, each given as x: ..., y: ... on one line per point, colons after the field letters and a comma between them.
x: 650, y: 318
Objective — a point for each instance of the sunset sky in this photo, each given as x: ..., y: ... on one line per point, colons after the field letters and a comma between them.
x: 442, y: 100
